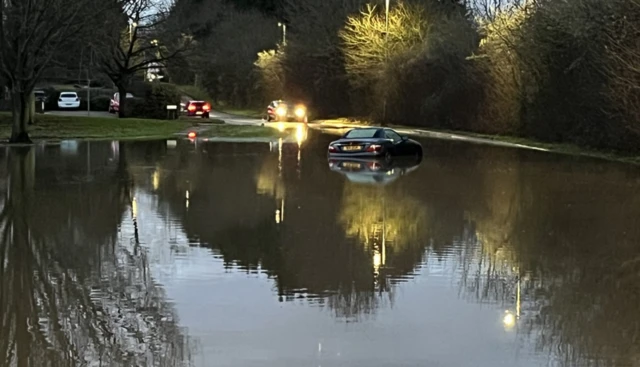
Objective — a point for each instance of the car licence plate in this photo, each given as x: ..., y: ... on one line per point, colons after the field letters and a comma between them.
x: 199, y: 113
x: 351, y: 165
x: 351, y: 148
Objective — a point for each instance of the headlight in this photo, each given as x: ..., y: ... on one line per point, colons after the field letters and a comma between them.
x: 281, y: 111
x: 300, y: 112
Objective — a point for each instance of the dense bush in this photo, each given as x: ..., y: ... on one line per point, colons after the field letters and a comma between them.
x: 100, y: 103
x: 135, y: 108
x: 153, y: 102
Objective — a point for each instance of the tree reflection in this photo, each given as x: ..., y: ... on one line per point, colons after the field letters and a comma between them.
x: 559, y: 249
x: 69, y: 294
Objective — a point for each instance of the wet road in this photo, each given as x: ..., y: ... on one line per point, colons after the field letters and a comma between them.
x: 221, y: 254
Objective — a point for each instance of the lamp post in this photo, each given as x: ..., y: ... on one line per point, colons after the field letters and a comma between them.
x: 386, y: 56
x: 132, y: 26
x: 284, y: 33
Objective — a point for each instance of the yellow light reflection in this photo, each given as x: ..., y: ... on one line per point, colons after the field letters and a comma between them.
x: 300, y: 134
x: 281, y: 127
x: 377, y: 261
x: 155, y: 180
x: 134, y: 208
x: 509, y: 320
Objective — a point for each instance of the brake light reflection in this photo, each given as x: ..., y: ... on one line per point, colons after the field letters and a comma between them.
x: 191, y: 135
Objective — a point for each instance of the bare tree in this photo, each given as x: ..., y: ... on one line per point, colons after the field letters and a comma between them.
x: 32, y: 33
x: 134, y: 38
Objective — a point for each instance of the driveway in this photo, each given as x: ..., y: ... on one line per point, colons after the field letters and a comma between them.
x: 77, y: 113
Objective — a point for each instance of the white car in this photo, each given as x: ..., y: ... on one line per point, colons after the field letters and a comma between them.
x: 68, y: 100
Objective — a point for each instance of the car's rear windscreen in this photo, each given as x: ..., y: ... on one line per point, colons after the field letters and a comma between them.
x: 361, y: 134
x: 68, y: 95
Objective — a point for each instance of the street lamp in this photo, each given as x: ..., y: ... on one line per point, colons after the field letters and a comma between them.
x: 132, y: 26
x: 386, y: 56
x: 386, y: 17
x: 284, y: 33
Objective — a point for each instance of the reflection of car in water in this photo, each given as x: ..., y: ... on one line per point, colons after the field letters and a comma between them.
x: 373, y: 171
x: 374, y: 142
x: 283, y: 111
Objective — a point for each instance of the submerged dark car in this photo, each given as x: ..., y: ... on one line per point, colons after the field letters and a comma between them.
x: 374, y: 142
x: 374, y: 171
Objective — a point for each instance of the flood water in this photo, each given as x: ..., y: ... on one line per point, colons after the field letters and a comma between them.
x: 229, y: 254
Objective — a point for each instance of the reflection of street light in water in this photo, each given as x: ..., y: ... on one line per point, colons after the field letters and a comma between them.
x: 509, y: 320
x: 280, y: 212
x: 156, y: 180
x: 134, y: 208
x: 280, y: 156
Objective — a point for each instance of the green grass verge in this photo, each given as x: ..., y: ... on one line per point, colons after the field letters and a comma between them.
x: 562, y: 148
x: 242, y: 131
x: 49, y: 127
x: 243, y: 112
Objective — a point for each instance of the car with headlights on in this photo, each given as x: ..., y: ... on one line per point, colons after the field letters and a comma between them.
x: 374, y: 142
x: 283, y: 111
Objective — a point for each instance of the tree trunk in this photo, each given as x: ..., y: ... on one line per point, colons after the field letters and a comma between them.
x: 30, y: 108
x: 122, y: 90
x: 19, y: 127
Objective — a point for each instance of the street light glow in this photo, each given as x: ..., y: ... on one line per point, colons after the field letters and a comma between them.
x: 509, y: 320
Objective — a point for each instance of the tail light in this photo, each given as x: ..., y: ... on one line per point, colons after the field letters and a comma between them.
x: 206, y: 107
x: 77, y: 99
x: 332, y: 148
x: 374, y: 148
x: 374, y: 166
x: 191, y: 108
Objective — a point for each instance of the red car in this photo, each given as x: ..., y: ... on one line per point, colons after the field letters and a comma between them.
x: 114, y: 104
x: 198, y: 108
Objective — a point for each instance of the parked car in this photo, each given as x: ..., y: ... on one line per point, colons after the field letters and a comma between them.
x: 283, y: 111
x: 68, y: 100
x: 198, y: 108
x: 374, y: 142
x: 114, y: 104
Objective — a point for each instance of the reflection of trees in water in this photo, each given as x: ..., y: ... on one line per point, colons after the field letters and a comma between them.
x: 570, y: 237
x: 69, y: 294
x: 390, y: 227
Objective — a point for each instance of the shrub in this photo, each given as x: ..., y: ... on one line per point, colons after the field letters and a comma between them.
x: 135, y: 108
x: 154, y: 101
x: 100, y: 103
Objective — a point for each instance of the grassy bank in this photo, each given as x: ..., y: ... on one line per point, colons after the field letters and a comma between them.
x: 49, y: 127
x: 241, y: 131
x: 243, y: 112
x: 516, y: 142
